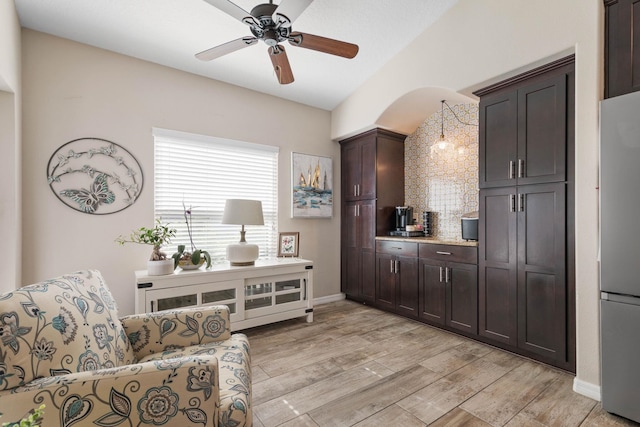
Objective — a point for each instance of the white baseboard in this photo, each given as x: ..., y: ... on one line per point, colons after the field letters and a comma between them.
x: 328, y: 299
x: 586, y: 389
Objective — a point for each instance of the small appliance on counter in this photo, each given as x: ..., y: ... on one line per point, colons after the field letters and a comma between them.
x: 404, y: 223
x: 470, y: 226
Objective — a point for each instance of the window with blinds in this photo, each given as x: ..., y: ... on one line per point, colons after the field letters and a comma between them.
x: 200, y: 173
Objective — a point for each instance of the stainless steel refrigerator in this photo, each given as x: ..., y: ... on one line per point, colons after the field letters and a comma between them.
x: 620, y: 254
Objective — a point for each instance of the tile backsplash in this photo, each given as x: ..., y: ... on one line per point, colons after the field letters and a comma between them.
x: 443, y: 181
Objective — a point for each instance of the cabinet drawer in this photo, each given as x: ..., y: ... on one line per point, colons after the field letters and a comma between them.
x: 455, y: 253
x: 397, y: 248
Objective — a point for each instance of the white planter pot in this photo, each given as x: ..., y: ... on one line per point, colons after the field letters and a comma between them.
x: 160, y: 268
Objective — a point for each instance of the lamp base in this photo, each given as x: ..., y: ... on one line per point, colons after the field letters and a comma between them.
x: 242, y: 264
x: 242, y: 254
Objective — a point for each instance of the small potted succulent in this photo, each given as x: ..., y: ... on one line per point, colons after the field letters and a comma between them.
x: 157, y: 236
x: 190, y: 260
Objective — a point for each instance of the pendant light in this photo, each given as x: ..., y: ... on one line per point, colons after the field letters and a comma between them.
x: 442, y: 145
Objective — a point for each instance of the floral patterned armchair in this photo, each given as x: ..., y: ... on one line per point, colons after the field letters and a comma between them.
x: 63, y: 345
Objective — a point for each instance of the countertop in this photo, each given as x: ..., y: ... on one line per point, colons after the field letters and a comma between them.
x: 432, y: 240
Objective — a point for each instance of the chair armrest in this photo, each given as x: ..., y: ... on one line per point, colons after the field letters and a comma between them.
x: 172, y: 392
x: 159, y: 331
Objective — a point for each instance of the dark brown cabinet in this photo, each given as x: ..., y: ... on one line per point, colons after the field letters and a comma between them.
x: 358, y: 249
x: 523, y: 133
x: 542, y: 284
x: 498, y: 260
x: 448, y: 286
x: 622, y: 47
x: 372, y: 166
x: 523, y: 286
x: 397, y: 277
x: 360, y: 175
x: 525, y: 259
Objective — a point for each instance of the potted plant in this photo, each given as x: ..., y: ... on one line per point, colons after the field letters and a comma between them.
x: 190, y: 260
x: 157, y: 236
x: 33, y: 418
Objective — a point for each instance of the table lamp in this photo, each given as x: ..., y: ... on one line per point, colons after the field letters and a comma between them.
x: 242, y: 212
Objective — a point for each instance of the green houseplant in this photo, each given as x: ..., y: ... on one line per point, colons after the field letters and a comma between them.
x: 32, y: 419
x: 190, y: 259
x: 157, y: 236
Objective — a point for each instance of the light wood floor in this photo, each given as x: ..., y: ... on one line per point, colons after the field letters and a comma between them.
x: 358, y: 366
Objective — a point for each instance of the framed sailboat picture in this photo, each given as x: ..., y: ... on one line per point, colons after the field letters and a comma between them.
x: 311, y: 186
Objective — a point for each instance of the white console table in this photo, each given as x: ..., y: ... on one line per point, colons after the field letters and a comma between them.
x: 271, y: 291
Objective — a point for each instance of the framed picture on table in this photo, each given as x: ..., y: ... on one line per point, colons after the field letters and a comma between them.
x: 288, y: 243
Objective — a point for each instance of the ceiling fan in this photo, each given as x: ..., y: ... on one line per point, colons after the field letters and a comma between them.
x: 272, y: 24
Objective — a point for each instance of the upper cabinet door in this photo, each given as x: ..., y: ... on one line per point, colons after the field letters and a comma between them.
x: 542, y: 131
x: 351, y: 171
x: 359, y: 168
x: 498, y: 136
x: 622, y: 47
x: 368, y: 184
x: 523, y: 133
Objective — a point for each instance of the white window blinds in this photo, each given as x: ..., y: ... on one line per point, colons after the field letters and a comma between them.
x: 203, y: 172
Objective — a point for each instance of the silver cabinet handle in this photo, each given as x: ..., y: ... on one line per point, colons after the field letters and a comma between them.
x: 391, y: 266
x: 512, y: 170
x: 440, y: 274
x: 358, y: 190
x: 520, y: 168
x: 512, y: 203
x: 520, y: 202
x: 443, y: 253
x: 355, y: 190
x: 446, y: 274
x: 396, y: 264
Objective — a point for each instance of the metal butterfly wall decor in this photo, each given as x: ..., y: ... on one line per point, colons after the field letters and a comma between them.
x: 94, y: 176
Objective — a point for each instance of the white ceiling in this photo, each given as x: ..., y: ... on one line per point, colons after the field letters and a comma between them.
x: 171, y: 32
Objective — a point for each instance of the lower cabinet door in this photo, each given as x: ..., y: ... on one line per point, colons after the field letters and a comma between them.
x: 497, y: 258
x: 542, y: 284
x: 432, y: 290
x: 462, y: 297
x: 351, y: 271
x: 368, y: 275
x: 385, y: 281
x: 407, y: 285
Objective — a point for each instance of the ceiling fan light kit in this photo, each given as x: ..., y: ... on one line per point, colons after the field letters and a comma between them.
x: 272, y: 24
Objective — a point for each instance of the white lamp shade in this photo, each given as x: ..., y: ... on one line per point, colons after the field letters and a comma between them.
x: 243, y: 212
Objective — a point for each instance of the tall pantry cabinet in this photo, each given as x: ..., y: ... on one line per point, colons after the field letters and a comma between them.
x: 372, y: 165
x: 526, y: 284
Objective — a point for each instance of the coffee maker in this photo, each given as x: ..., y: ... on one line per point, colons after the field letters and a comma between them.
x: 404, y: 217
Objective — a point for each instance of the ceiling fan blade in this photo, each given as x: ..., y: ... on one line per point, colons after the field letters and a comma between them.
x: 289, y: 10
x: 281, y: 64
x: 223, y: 49
x: 323, y: 44
x: 234, y: 10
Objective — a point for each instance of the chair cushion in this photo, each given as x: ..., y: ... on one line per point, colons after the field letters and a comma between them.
x: 58, y: 326
x: 234, y: 367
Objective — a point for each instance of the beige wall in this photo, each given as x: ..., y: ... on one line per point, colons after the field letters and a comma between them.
x: 478, y: 42
x: 73, y: 91
x: 10, y: 116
